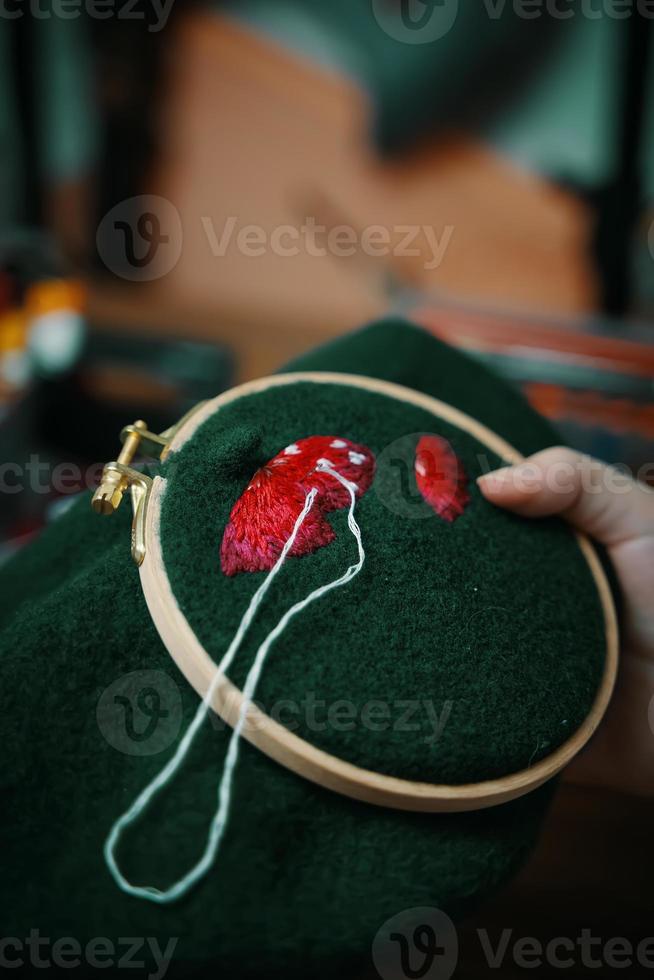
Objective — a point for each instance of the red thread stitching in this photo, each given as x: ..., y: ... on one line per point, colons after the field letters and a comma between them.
x: 263, y: 517
x: 441, y: 477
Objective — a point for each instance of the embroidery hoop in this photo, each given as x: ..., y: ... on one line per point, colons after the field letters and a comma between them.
x: 288, y: 749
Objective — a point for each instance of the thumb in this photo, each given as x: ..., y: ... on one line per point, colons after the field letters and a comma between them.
x: 601, y: 500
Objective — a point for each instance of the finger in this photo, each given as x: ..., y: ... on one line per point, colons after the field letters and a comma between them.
x: 601, y: 500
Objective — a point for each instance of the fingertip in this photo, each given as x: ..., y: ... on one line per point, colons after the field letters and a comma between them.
x: 522, y: 479
x: 516, y: 488
x: 491, y: 484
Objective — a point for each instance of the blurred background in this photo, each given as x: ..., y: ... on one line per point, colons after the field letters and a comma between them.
x: 193, y: 193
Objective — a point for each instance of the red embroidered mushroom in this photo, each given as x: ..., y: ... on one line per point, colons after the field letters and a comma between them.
x: 263, y: 517
x: 441, y: 477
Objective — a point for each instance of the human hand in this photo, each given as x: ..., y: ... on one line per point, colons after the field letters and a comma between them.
x: 618, y: 511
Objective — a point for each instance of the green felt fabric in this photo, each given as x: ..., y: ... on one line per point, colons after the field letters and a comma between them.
x: 493, y: 619
x: 305, y: 877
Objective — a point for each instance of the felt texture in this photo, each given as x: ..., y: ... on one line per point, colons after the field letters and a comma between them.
x: 305, y: 878
x: 490, y: 626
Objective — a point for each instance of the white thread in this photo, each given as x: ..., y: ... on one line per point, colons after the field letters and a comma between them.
x: 219, y: 822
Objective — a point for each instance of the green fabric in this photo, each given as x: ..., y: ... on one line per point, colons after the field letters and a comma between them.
x: 493, y: 618
x: 305, y: 877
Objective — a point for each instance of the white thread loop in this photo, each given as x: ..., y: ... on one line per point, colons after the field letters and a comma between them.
x: 219, y: 822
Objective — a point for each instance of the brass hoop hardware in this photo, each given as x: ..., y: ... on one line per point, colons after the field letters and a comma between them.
x: 119, y: 476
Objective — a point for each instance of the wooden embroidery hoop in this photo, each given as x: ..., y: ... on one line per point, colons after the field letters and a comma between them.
x: 294, y: 752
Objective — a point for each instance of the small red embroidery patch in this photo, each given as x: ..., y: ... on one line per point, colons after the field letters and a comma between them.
x: 263, y: 517
x: 441, y: 477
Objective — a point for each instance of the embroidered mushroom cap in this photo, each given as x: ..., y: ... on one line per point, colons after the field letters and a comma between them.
x: 262, y: 518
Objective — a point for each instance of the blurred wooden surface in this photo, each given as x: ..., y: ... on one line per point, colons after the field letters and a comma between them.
x: 253, y: 133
